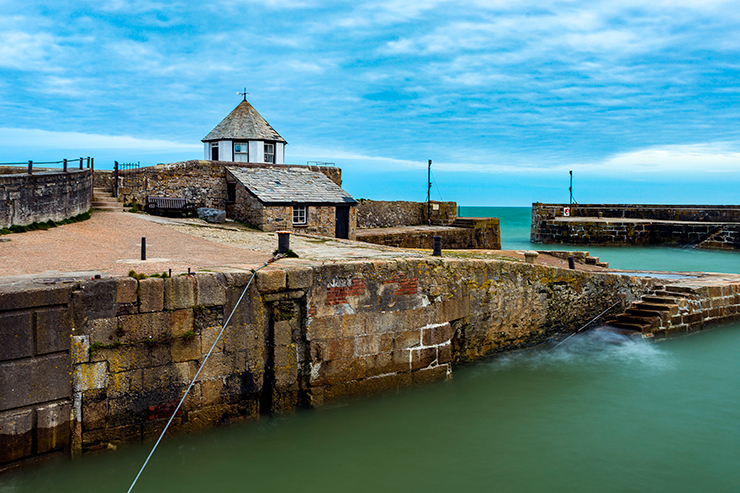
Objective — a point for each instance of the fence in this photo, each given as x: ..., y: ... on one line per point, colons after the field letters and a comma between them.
x: 64, y: 162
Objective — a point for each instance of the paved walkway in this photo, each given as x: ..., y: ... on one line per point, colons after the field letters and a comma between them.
x: 110, y: 244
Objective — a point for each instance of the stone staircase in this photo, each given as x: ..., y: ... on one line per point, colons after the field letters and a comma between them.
x: 649, y: 313
x: 103, y: 200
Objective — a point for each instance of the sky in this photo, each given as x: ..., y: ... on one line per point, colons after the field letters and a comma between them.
x: 638, y: 99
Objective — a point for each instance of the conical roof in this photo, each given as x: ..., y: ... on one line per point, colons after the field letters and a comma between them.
x: 244, y: 123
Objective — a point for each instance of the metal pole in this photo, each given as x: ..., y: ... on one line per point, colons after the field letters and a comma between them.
x: 88, y: 162
x: 143, y: 248
x: 429, y: 193
x: 80, y: 163
x: 115, y: 179
x: 30, y: 167
x: 570, y: 189
x: 92, y: 163
x: 65, y: 165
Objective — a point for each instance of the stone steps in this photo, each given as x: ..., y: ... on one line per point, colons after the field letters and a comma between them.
x: 650, y: 312
x: 103, y: 200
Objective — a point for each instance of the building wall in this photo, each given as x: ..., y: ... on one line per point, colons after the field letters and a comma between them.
x: 44, y: 196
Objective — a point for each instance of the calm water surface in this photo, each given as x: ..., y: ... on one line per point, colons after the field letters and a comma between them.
x: 594, y: 414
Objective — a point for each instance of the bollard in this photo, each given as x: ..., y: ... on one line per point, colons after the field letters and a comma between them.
x: 30, y: 167
x: 283, y: 241
x: 143, y: 248
x: 571, y: 262
x: 437, y: 252
x: 530, y: 256
x: 65, y: 165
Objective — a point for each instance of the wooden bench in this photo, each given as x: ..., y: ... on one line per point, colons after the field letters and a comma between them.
x: 169, y: 205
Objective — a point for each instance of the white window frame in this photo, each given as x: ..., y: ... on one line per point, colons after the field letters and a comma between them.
x: 300, y: 215
x: 269, y: 153
x: 243, y: 151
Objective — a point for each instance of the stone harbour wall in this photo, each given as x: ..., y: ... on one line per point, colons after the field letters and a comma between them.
x: 44, y: 196
x: 305, y: 335
x: 385, y: 214
x: 478, y: 233
x: 612, y: 229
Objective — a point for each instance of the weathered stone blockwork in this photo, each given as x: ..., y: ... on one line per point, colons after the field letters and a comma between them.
x: 712, y: 227
x: 304, y: 335
x: 44, y: 196
x: 385, y: 214
x: 466, y: 233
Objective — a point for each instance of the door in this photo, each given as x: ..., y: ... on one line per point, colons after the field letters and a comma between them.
x: 214, y: 151
x: 342, y: 222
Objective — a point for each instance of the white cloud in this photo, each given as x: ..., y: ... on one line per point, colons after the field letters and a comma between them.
x: 24, y: 51
x: 44, y: 139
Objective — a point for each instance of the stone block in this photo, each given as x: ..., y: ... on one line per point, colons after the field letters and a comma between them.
x: 53, y: 329
x: 270, y: 280
x: 211, y: 289
x: 211, y: 215
x: 16, y: 334
x: 33, y: 297
x: 90, y: 376
x: 151, y: 295
x: 455, y: 309
x: 94, y: 410
x: 96, y: 299
x: 299, y: 277
x: 407, y: 339
x: 16, y: 435
x: 123, y: 434
x: 283, y: 332
x: 374, y: 385
x: 102, y: 330
x: 211, y: 391
x: 343, y: 370
x: 125, y: 382
x: 341, y: 348
x: 142, y: 326
x: 174, y: 374
x: 323, y: 328
x: 366, y: 345
x: 52, y: 426
x: 185, y: 349
x: 27, y: 382
x: 126, y: 290
x: 224, y: 364
x: 429, y: 375
x: 124, y: 358
x: 180, y: 322
x: 437, y: 334
x: 285, y: 366
x: 180, y: 292
x: 80, y: 349
x: 402, y: 360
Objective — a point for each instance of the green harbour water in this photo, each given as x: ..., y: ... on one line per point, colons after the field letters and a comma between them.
x: 597, y: 414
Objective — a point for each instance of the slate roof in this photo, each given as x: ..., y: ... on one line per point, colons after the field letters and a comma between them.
x: 291, y: 185
x: 244, y: 123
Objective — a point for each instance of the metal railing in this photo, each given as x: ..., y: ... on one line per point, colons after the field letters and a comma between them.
x: 66, y: 163
x: 117, y: 167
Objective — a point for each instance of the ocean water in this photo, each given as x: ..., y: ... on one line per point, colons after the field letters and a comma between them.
x: 600, y: 413
x: 515, y: 227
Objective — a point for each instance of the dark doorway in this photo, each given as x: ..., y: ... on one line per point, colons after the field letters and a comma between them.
x: 214, y: 152
x: 342, y: 224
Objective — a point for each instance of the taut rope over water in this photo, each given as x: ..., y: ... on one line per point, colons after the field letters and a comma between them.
x: 192, y: 382
x: 587, y: 324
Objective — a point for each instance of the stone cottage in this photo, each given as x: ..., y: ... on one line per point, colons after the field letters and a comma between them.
x: 244, y: 137
x: 291, y: 198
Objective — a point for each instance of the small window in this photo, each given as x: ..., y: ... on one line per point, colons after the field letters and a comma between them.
x: 300, y: 214
x: 231, y: 192
x: 269, y: 153
x: 241, y: 152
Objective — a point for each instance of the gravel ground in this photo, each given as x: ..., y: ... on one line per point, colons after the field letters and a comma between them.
x: 110, y: 244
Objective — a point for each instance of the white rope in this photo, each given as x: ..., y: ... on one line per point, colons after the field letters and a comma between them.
x: 199, y: 370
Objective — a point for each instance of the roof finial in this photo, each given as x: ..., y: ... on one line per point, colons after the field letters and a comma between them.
x: 243, y: 93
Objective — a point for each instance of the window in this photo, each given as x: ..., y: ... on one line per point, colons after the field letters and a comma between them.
x: 214, y: 151
x: 269, y: 153
x: 300, y: 214
x: 241, y: 152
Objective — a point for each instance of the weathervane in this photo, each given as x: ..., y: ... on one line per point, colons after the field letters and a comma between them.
x: 243, y: 93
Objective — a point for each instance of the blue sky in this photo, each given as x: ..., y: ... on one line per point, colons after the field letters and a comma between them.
x: 639, y: 99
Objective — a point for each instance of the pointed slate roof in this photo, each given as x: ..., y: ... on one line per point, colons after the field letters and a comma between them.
x: 244, y: 123
x: 291, y: 185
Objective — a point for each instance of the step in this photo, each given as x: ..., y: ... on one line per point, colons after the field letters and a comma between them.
x: 641, y: 321
x: 592, y: 260
x: 637, y: 312
x: 629, y: 326
x: 655, y: 299
x: 664, y: 308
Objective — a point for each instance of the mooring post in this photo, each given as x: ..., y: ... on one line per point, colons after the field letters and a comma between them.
x: 30, y: 167
x: 65, y: 165
x: 283, y: 241
x: 143, y: 248
x: 571, y: 262
x: 437, y: 252
x: 80, y: 163
x: 92, y: 163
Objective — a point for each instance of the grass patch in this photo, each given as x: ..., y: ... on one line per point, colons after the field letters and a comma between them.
x: 42, y: 226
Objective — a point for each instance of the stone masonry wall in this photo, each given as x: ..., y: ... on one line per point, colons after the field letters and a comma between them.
x: 44, y: 196
x: 384, y: 214
x: 305, y: 335
x: 695, y: 232
x: 483, y: 233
